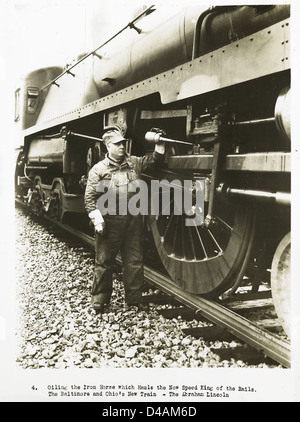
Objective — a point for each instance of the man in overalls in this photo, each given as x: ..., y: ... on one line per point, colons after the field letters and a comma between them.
x: 120, y: 232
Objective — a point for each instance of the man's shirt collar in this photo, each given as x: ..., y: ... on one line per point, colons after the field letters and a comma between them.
x: 112, y: 163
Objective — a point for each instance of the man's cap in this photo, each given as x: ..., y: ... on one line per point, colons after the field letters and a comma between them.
x: 112, y: 134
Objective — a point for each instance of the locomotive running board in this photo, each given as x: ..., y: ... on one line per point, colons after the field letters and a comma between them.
x: 277, y: 349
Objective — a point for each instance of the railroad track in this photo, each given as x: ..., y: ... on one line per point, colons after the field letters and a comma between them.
x: 224, y: 316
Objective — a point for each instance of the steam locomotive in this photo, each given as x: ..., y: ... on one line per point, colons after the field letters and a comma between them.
x: 216, y: 78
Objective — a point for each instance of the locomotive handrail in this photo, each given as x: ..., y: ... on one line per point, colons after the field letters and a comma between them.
x: 130, y: 25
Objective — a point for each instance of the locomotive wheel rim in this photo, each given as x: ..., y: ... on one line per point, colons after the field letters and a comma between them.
x: 281, y: 282
x: 212, y: 275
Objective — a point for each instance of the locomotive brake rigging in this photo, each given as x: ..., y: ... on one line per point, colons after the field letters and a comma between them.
x: 218, y: 82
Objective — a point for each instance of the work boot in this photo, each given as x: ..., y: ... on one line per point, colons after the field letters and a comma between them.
x: 98, y: 308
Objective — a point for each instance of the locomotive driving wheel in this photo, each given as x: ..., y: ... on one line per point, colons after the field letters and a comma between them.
x: 206, y: 259
x: 281, y: 282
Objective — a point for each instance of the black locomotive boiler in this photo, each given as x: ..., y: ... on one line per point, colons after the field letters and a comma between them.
x: 217, y: 78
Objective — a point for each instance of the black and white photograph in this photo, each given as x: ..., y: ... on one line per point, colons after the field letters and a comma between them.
x: 149, y: 187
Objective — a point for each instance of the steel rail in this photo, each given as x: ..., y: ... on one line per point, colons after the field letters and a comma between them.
x: 272, y: 346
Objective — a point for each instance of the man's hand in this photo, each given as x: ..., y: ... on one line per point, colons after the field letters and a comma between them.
x: 98, y: 221
x: 96, y: 217
x: 161, y: 145
x: 99, y: 228
x: 158, y: 130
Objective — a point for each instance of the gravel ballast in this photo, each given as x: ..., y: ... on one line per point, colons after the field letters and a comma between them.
x: 57, y: 328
